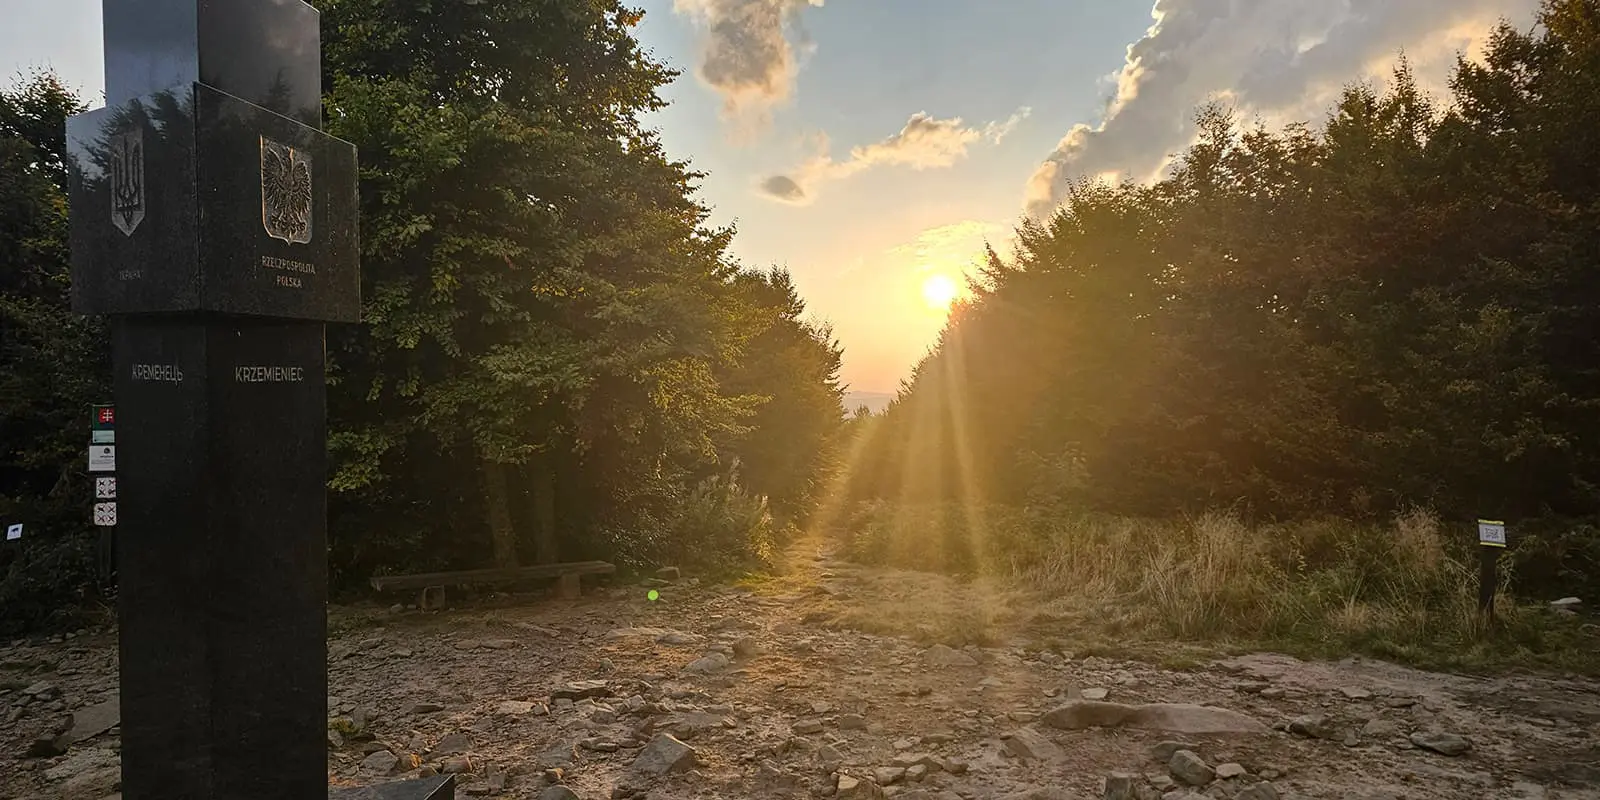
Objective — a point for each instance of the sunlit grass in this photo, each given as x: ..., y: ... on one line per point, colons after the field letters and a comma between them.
x: 1146, y: 587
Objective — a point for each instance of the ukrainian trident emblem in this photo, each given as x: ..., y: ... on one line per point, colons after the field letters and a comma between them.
x: 285, y: 192
x: 127, y: 179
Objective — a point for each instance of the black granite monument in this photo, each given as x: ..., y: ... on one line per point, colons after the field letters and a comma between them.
x: 216, y: 223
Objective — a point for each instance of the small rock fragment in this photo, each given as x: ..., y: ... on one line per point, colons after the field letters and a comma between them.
x: 665, y: 754
x: 1445, y: 744
x: 1163, y: 751
x: 941, y: 655
x: 806, y: 727
x: 581, y: 690
x: 1315, y: 726
x: 1259, y: 791
x: 1121, y: 786
x: 382, y: 762
x: 558, y: 792
x: 1188, y: 767
x: 514, y: 708
x: 829, y: 758
x: 453, y: 744
x: 851, y: 788
x: 1231, y: 770
x: 888, y: 776
x: 708, y: 664
x: 1030, y: 745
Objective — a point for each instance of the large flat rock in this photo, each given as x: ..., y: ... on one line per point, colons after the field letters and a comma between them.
x: 1172, y: 717
x: 440, y: 788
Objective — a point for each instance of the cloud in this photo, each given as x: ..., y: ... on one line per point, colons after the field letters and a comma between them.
x: 960, y: 241
x: 783, y: 188
x: 925, y: 142
x: 1269, y: 57
x: 746, y: 55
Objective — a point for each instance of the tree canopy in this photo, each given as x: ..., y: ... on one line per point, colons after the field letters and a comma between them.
x: 557, y: 359
x: 1396, y: 308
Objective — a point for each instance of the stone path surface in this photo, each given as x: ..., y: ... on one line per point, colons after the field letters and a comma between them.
x: 770, y: 691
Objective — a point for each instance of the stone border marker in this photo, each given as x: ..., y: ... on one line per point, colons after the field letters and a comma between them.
x: 217, y: 224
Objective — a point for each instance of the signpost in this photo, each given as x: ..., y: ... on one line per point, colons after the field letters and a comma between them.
x: 1491, y: 542
x: 216, y: 223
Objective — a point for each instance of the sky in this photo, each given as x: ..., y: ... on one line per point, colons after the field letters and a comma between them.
x: 873, y: 147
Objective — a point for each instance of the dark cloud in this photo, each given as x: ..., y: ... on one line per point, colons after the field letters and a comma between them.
x: 746, y: 55
x: 783, y: 187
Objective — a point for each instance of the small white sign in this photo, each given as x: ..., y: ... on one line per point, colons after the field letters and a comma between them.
x: 13, y: 532
x: 1491, y: 533
x: 102, y: 437
x: 103, y: 458
x: 105, y: 514
x: 105, y: 488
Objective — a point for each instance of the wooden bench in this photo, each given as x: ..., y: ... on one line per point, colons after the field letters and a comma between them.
x: 568, y: 575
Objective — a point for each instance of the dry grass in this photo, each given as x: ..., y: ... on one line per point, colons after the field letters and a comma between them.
x: 1406, y: 591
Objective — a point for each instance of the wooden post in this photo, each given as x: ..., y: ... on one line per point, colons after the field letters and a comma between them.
x: 1491, y: 541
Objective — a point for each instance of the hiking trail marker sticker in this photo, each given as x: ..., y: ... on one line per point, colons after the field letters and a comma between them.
x: 105, y: 488
x: 13, y: 532
x: 105, y: 515
x: 1491, y: 533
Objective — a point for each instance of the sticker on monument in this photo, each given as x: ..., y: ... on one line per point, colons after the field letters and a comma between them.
x: 102, y: 437
x: 14, y: 532
x: 103, y: 458
x: 285, y: 192
x: 105, y: 514
x: 127, y: 179
x: 105, y: 488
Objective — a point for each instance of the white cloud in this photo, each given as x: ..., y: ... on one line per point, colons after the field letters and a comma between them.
x: 1274, y: 58
x: 925, y: 142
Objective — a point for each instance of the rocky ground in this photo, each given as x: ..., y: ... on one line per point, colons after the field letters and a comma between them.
x: 770, y: 690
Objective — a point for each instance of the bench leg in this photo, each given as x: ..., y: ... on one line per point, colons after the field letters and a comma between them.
x: 569, y: 587
x: 430, y: 591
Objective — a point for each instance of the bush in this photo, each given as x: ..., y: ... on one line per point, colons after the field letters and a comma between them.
x: 718, y: 527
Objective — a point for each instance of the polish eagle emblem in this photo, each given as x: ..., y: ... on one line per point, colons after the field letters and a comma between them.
x: 285, y: 192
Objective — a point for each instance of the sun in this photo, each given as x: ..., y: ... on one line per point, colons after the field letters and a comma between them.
x: 939, y: 291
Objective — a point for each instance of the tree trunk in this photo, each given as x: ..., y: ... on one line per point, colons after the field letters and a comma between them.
x: 547, y: 548
x: 497, y: 504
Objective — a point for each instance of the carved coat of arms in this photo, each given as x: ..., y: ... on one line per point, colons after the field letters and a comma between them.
x: 285, y: 192
x: 126, y: 156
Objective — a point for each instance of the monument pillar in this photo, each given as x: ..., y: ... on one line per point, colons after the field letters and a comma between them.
x: 215, y: 222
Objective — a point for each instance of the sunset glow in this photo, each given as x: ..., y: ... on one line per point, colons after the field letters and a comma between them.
x: 939, y: 291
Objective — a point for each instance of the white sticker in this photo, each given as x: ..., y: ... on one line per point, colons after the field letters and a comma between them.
x: 102, y: 437
x: 103, y: 458
x: 1491, y: 533
x: 105, y: 488
x: 13, y: 532
x: 105, y: 514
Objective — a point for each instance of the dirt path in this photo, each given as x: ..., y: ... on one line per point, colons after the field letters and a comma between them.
x: 778, y: 692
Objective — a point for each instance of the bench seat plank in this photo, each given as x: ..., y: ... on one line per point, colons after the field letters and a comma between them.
x: 495, y: 575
